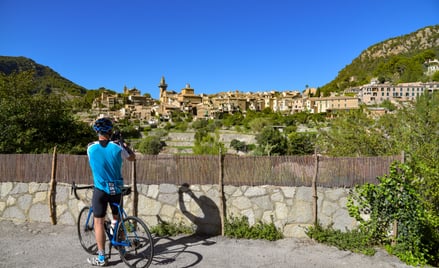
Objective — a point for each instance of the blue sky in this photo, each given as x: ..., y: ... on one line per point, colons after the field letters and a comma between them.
x: 215, y: 46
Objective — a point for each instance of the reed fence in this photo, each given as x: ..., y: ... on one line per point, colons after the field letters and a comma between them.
x: 206, y: 169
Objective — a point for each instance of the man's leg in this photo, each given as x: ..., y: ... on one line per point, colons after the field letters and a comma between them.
x: 99, y: 210
x: 100, y: 233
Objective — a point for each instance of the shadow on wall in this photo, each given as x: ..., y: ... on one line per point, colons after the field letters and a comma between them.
x: 210, y: 222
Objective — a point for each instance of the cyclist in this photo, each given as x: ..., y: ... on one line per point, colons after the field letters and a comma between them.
x: 105, y: 159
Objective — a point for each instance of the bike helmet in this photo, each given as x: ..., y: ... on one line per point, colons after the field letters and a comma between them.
x: 103, y: 126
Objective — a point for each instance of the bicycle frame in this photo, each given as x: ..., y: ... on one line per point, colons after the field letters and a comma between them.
x: 111, y: 237
x: 122, y: 215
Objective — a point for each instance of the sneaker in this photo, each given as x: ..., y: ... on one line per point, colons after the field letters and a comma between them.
x: 97, y: 261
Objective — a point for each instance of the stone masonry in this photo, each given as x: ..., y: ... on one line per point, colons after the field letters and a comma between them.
x: 290, y: 208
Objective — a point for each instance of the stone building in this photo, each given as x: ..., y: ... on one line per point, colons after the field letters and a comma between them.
x: 372, y: 94
x: 331, y: 104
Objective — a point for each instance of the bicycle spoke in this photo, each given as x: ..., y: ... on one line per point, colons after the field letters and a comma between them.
x: 86, y: 232
x: 140, y: 251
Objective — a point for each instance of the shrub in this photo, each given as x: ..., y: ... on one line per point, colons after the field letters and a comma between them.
x: 354, y: 240
x: 396, y: 199
x: 236, y: 227
x: 170, y: 229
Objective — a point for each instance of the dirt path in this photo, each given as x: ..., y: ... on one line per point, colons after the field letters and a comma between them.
x: 44, y: 245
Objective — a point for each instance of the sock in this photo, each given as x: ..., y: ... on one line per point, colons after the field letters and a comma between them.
x: 101, y: 255
x: 113, y: 226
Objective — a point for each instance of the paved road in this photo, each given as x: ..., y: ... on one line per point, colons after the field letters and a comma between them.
x: 47, y: 246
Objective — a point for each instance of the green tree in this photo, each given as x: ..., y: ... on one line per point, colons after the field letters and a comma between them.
x: 239, y: 146
x: 234, y: 119
x: 200, y: 134
x: 257, y: 124
x: 271, y: 142
x: 208, y: 144
x: 300, y: 118
x: 354, y: 134
x: 130, y: 131
x: 389, y: 105
x: 151, y: 145
x: 199, y: 124
x: 415, y: 130
x: 301, y: 143
x: 35, y: 122
x: 181, y: 126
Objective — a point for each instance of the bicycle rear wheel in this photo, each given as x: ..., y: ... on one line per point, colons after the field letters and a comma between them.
x: 140, y: 251
x: 86, y: 232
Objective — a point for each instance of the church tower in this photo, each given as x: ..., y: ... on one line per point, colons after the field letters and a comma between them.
x: 162, y: 86
x: 162, y: 97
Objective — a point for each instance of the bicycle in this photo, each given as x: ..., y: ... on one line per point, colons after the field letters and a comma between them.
x: 130, y: 236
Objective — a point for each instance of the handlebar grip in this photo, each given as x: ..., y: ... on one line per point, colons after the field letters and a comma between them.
x: 74, y: 188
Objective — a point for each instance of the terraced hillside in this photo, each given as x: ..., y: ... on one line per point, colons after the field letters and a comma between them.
x: 182, y: 142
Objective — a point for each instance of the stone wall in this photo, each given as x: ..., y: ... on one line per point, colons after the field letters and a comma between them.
x: 290, y: 208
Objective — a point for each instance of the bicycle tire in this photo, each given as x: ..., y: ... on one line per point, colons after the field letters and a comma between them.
x: 86, y: 232
x: 141, y: 250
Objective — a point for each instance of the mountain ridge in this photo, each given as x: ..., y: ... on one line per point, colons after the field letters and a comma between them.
x: 395, y: 60
x: 47, y: 79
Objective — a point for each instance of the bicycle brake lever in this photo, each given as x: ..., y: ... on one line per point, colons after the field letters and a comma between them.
x: 74, y: 190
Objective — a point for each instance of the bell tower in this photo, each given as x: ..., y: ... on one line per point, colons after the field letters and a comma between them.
x: 163, y: 98
x: 162, y: 86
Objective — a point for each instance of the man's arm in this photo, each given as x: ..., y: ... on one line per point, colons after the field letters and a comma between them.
x: 127, y: 153
x: 131, y: 155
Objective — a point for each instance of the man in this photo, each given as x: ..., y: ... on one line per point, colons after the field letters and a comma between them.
x: 105, y: 159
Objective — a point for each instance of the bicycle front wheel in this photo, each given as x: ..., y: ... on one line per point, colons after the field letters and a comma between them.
x: 140, y: 247
x: 86, y: 232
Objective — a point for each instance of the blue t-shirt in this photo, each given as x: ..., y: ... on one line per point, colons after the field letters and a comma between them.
x: 106, y: 166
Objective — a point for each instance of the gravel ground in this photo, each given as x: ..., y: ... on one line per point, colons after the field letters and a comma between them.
x: 45, y: 245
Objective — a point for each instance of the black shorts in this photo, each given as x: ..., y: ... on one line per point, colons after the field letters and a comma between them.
x: 100, y: 203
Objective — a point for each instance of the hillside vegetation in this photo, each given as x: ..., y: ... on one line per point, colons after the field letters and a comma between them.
x: 47, y: 80
x: 396, y: 60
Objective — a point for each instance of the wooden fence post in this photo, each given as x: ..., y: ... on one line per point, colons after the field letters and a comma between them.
x: 52, y: 189
x: 221, y: 192
x: 134, y: 187
x: 314, y: 187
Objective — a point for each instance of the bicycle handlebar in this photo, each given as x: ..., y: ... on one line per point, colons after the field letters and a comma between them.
x: 126, y: 190
x: 75, y: 187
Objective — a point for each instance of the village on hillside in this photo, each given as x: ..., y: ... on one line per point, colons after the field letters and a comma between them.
x: 203, y: 106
